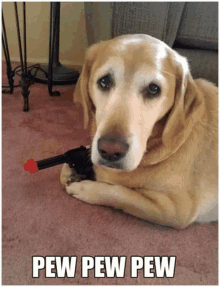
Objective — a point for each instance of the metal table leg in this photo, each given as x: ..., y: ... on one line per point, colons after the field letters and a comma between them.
x: 54, y: 73
x: 54, y: 14
x: 10, y: 72
x: 25, y: 81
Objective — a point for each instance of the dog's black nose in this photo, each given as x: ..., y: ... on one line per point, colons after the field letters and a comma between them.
x: 112, y: 147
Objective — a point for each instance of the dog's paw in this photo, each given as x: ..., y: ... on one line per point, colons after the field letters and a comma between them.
x: 68, y: 175
x: 87, y: 191
x: 82, y: 190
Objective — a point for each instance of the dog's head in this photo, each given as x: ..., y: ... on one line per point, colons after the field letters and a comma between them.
x: 134, y: 89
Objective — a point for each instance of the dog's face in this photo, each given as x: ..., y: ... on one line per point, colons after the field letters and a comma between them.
x: 127, y: 85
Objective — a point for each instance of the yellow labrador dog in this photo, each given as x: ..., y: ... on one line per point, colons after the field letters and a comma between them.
x: 154, y: 130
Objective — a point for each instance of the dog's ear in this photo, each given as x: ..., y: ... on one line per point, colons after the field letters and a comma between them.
x: 81, y: 93
x: 187, y: 107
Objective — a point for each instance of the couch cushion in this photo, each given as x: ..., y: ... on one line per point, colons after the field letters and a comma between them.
x: 157, y: 19
x: 203, y: 64
x: 199, y: 25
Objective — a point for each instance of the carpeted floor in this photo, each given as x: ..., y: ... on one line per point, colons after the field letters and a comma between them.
x: 40, y: 219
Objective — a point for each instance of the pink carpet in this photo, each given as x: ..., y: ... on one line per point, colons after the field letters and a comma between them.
x: 40, y: 219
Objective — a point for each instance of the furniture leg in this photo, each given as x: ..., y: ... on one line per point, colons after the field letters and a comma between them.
x: 10, y: 72
x: 25, y: 81
x: 54, y: 18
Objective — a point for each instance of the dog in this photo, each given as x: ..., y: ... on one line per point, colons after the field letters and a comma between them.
x: 154, y: 129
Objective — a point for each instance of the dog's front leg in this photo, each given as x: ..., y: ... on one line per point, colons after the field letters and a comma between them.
x: 129, y: 200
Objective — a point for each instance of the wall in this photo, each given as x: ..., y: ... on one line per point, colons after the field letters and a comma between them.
x: 73, y: 39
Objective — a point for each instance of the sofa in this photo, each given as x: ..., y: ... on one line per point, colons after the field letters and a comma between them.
x: 191, y: 28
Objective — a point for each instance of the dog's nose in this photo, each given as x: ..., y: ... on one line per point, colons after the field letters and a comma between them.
x: 112, y: 147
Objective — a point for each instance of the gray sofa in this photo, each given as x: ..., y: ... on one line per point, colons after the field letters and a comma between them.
x: 191, y: 28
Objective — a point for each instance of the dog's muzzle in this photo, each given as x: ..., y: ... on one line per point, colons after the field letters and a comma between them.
x: 112, y: 147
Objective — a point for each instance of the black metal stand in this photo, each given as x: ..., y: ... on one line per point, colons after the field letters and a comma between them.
x: 25, y: 81
x: 54, y: 74
x: 57, y: 74
x: 10, y: 72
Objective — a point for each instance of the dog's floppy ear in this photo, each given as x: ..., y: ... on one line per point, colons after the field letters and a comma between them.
x: 187, y: 108
x: 81, y: 93
x: 186, y: 111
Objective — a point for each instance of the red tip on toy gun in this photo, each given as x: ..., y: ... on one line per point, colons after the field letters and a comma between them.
x: 78, y: 158
x: 31, y: 166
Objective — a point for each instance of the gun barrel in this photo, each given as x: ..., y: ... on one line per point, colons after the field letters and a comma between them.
x: 49, y: 162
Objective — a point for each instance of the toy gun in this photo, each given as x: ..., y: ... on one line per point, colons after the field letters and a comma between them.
x: 78, y: 158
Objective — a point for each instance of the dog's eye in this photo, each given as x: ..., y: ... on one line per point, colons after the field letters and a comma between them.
x: 105, y: 83
x: 152, y: 91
